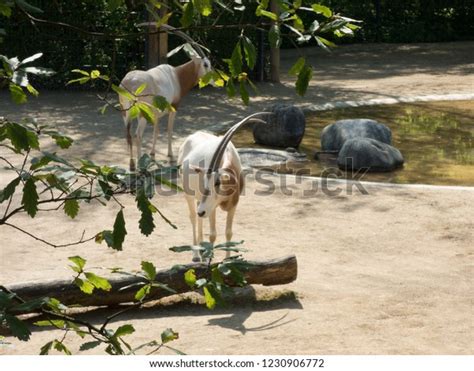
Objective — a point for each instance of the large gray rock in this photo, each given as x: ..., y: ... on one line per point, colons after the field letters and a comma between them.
x: 334, y: 135
x: 367, y: 153
x: 284, y: 129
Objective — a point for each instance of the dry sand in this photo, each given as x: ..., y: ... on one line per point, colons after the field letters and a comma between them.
x: 385, y: 273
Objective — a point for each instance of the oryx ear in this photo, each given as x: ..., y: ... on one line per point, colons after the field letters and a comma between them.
x: 196, y: 169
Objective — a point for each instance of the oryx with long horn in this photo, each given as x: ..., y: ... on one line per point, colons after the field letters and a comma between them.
x: 172, y: 83
x: 212, y: 176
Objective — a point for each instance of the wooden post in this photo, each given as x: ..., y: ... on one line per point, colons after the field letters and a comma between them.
x: 163, y: 37
x: 274, y: 52
x: 156, y: 44
x: 270, y: 272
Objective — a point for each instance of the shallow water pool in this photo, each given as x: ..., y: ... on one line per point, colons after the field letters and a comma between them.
x: 435, y: 138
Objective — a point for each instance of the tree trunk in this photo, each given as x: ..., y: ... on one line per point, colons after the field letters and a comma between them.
x: 270, y: 272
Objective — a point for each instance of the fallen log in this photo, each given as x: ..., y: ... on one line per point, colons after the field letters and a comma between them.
x: 268, y: 273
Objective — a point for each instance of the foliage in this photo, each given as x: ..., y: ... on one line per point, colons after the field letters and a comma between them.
x: 14, y: 73
x: 219, y: 278
x: 52, y: 179
x: 297, y: 23
x: 57, y: 317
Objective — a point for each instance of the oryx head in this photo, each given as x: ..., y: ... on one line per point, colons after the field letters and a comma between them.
x: 217, y: 182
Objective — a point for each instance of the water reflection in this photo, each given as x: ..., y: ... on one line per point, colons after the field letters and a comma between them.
x: 436, y: 139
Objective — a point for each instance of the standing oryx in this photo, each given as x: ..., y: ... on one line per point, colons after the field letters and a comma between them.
x: 212, y: 176
x: 172, y: 83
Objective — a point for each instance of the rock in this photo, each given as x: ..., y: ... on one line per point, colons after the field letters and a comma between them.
x: 269, y: 158
x: 367, y: 153
x: 334, y: 135
x: 284, y: 129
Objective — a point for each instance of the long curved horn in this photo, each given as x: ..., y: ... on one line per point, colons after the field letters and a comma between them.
x: 219, y: 153
x: 180, y: 34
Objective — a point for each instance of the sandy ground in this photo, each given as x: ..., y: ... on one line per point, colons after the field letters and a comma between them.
x: 385, y: 273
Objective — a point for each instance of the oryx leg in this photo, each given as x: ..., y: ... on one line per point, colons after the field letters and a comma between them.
x: 228, y: 227
x: 156, y: 133
x: 192, y: 217
x: 200, y: 238
x: 171, y: 118
x: 212, y: 227
x: 139, y: 136
x: 128, y: 135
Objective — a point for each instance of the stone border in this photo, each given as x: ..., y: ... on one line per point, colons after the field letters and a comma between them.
x: 381, y: 101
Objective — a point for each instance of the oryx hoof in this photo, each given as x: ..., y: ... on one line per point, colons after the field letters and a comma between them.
x: 196, y: 259
x: 132, y: 165
x: 152, y: 155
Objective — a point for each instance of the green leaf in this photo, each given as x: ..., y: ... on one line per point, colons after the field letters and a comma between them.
x: 18, y: 136
x: 123, y: 92
x: 28, y: 7
x: 98, y: 282
x: 149, y: 270
x: 162, y: 104
x: 303, y: 80
x: 250, y: 52
x: 114, y: 4
x: 119, y: 231
x: 188, y: 14
x: 145, y: 223
x: 31, y: 305
x: 144, y: 291
x: 81, y: 80
x: 124, y: 330
x: 89, y: 345
x: 140, y: 89
x: 230, y: 88
x: 274, y: 36
x: 60, y: 347
x: 79, y: 262
x: 321, y: 9
x: 50, y: 322
x: 17, y: 327
x: 236, y: 60
x: 85, y: 286
x: 244, y: 94
x: 324, y: 43
x: 9, y: 190
x: 46, y: 348
x: 183, y: 248
x: 30, y: 197
x: 71, y: 207
x: 62, y: 141
x: 95, y: 74
x: 265, y: 13
x: 39, y: 71
x: 169, y: 335
x: 297, y: 67
x: 203, y: 6
x: 17, y: 94
x: 32, y: 90
x: 190, y: 278
x: 146, y: 111
x: 82, y: 72
x: 210, y: 300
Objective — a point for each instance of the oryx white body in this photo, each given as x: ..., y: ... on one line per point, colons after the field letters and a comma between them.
x: 200, y: 187
x: 172, y: 83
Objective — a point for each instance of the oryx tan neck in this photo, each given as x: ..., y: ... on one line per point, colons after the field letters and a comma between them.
x: 187, y: 75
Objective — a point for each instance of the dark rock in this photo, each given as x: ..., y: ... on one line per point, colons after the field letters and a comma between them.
x: 367, y: 153
x: 334, y: 135
x: 284, y: 129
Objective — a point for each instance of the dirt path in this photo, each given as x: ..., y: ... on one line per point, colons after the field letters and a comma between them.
x: 385, y: 273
